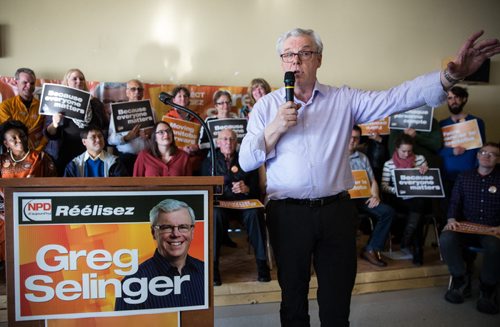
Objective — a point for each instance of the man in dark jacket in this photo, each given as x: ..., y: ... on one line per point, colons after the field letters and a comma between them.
x: 95, y: 162
x: 238, y: 185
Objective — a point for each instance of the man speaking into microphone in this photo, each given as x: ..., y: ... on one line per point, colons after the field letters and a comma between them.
x: 304, y: 146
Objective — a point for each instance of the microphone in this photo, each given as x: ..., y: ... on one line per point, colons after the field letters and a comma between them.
x: 165, y: 97
x: 289, y: 85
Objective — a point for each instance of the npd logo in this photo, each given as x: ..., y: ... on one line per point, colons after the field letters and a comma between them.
x: 37, y: 210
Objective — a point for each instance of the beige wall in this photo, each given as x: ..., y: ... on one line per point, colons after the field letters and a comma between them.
x: 368, y: 44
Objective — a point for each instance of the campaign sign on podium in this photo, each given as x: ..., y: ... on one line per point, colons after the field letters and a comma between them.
x: 72, y: 251
x: 86, y: 253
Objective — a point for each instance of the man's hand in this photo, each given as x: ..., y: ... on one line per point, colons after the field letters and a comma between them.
x: 496, y: 230
x: 191, y: 149
x: 133, y: 133
x: 240, y: 187
x: 410, y: 132
x: 471, y: 56
x: 452, y: 224
x: 372, y: 202
x: 458, y: 150
x: 286, y: 117
x: 57, y: 119
x: 375, y: 136
x: 146, y: 133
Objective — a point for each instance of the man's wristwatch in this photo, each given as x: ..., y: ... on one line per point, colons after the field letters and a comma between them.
x: 450, y: 78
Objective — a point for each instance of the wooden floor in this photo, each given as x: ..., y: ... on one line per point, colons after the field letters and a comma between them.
x: 240, y: 286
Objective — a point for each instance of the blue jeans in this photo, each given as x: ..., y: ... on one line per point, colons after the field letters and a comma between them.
x: 452, y: 247
x: 384, y: 215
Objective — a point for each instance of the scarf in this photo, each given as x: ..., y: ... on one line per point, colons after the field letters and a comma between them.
x: 403, y: 163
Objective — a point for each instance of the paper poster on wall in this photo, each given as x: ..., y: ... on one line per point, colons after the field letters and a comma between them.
x: 92, y: 254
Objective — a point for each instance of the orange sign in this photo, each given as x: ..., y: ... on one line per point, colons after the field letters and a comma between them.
x: 381, y: 127
x: 241, y: 204
x: 185, y: 132
x: 72, y: 260
x: 361, y: 187
x: 464, y: 134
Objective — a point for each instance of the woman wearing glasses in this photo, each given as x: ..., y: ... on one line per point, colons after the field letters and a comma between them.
x: 163, y: 158
x: 223, y: 103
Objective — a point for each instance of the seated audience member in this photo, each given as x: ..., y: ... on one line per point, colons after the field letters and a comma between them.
x: 376, y: 149
x: 373, y: 206
x: 129, y: 143
x: 403, y: 157
x: 163, y: 158
x: 427, y: 144
x: 223, y: 103
x: 181, y: 96
x: 24, y: 108
x: 475, y: 198
x: 238, y: 185
x: 64, y: 133
x: 257, y: 89
x: 95, y: 162
x: 18, y: 160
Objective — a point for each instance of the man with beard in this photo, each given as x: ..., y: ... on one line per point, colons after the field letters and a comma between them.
x: 458, y: 159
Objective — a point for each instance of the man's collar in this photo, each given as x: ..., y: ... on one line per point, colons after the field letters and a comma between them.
x: 318, y: 87
x: 355, y: 154
x: 88, y: 156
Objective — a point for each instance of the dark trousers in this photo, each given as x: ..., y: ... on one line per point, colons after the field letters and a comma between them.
x: 325, y: 236
x: 128, y: 160
x: 254, y: 224
x: 452, y: 249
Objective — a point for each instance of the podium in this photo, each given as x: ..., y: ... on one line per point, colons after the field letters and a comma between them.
x: 71, y: 241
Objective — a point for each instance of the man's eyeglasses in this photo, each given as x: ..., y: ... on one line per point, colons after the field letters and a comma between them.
x: 487, y: 154
x: 228, y: 139
x: 163, y: 132
x: 303, y: 55
x: 133, y: 89
x: 223, y: 102
x: 169, y: 229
